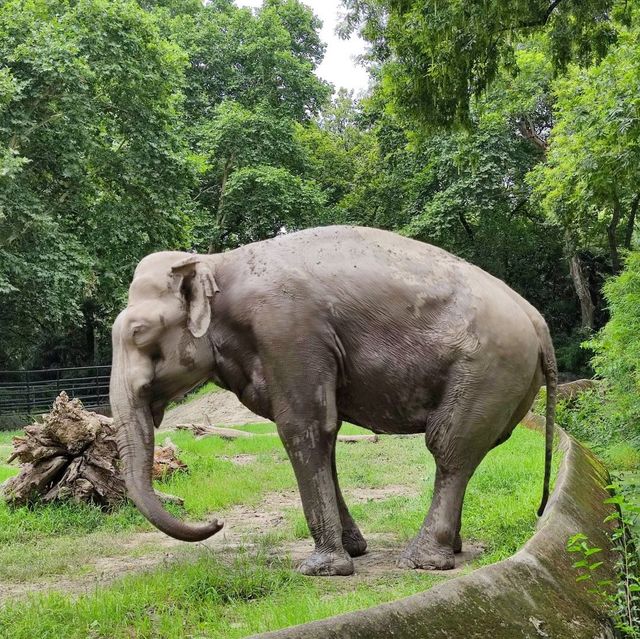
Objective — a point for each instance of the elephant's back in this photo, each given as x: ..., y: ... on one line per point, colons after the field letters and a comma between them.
x: 402, y: 311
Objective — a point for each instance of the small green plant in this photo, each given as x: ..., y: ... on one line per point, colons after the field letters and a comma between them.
x: 622, y: 598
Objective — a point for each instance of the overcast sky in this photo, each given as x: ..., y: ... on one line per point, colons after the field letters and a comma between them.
x: 338, y: 66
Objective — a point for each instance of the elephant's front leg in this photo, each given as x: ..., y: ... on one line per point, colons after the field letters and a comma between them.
x: 309, y: 446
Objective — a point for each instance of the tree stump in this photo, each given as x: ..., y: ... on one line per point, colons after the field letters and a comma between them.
x: 165, y: 461
x: 73, y: 456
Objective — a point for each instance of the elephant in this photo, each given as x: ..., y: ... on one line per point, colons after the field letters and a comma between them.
x: 325, y: 325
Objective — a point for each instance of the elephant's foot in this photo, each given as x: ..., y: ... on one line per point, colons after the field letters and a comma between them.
x: 354, y: 543
x: 327, y: 565
x: 427, y: 555
x: 457, y: 544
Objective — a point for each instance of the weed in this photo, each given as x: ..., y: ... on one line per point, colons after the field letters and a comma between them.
x: 622, y: 598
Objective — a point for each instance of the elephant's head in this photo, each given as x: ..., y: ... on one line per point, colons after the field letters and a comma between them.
x: 160, y: 351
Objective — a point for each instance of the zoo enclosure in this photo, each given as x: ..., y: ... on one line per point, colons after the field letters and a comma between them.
x: 29, y: 392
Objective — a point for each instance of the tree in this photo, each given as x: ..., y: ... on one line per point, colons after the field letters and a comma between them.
x: 589, y: 182
x: 236, y: 137
x: 249, y: 85
x: 591, y: 175
x: 266, y: 58
x: 436, y: 56
x: 94, y: 174
x: 261, y: 201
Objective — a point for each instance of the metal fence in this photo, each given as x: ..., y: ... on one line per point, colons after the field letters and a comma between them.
x: 29, y: 392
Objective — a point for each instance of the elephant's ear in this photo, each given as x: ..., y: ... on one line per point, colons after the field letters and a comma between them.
x: 197, y: 287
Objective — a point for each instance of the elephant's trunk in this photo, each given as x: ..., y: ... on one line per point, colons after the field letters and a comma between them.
x: 135, y: 445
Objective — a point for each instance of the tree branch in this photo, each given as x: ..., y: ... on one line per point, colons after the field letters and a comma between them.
x: 529, y: 133
x: 466, y: 225
x: 543, y: 20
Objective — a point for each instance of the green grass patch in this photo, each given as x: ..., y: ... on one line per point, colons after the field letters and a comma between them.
x: 233, y: 594
x: 622, y: 456
x: 6, y: 438
x: 202, y: 598
x: 46, y: 558
x: 6, y: 470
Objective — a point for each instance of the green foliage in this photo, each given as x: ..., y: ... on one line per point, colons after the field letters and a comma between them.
x: 249, y: 86
x: 622, y: 598
x: 438, y: 55
x: 611, y: 413
x: 120, y: 129
x: 617, y: 346
x: 572, y: 355
x: 90, y: 101
x: 589, y: 181
x: 262, y: 200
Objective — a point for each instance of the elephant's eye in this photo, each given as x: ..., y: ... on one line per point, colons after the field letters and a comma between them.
x: 138, y: 329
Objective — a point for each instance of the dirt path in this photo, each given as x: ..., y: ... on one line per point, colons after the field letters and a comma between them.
x: 221, y: 407
x: 147, y: 551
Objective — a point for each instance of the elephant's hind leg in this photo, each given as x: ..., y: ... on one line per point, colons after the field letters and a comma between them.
x: 352, y: 539
x: 433, y: 548
x: 460, y: 435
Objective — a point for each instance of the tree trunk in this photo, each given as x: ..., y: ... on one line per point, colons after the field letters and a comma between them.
x: 214, y: 246
x: 612, y: 231
x: 466, y: 226
x: 631, y: 222
x: 581, y: 285
x: 528, y: 132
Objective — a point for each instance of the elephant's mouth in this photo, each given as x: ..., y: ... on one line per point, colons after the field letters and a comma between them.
x: 157, y: 412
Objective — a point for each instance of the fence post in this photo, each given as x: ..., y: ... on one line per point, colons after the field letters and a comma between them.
x: 28, y: 381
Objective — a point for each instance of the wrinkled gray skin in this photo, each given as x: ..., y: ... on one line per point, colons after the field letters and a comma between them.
x: 325, y: 325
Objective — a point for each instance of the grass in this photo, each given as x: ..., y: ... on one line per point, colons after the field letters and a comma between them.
x: 239, y: 593
x: 204, y: 598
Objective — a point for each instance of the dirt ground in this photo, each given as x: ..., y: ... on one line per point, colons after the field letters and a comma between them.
x: 222, y: 408
x: 140, y: 552
x: 147, y: 551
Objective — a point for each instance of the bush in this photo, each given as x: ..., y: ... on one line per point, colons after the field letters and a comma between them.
x: 610, y: 415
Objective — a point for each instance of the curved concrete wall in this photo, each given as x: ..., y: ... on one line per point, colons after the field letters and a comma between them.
x: 533, y: 594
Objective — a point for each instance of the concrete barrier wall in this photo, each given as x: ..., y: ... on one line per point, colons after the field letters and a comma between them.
x: 532, y: 594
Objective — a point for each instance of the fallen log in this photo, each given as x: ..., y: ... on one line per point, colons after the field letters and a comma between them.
x: 573, y: 389
x: 352, y: 439
x: 204, y: 430
x: 166, y: 461
x: 207, y: 430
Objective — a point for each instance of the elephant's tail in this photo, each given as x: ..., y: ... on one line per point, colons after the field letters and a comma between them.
x: 550, y: 370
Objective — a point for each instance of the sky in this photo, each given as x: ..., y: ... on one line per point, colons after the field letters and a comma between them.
x: 338, y: 66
